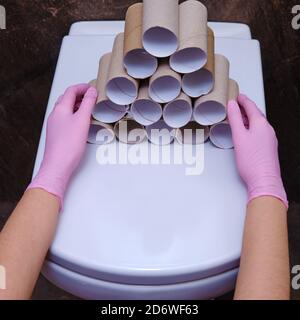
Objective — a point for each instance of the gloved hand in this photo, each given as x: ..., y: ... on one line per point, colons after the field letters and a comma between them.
x: 67, y: 131
x: 256, y: 151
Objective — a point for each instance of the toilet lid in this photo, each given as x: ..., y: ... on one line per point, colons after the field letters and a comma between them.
x: 151, y: 224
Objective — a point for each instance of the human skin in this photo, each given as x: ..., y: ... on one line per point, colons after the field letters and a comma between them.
x: 264, y: 269
x: 29, y: 231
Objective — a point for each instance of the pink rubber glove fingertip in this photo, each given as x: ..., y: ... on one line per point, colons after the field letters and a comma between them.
x: 91, y: 92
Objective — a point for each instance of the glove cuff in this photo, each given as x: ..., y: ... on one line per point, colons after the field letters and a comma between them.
x: 272, y: 186
x: 54, y: 185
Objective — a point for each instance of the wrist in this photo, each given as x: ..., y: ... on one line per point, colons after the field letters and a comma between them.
x: 51, y: 182
x: 270, y: 186
x: 43, y: 198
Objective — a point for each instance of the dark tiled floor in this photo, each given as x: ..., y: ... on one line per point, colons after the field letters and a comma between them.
x: 28, y: 53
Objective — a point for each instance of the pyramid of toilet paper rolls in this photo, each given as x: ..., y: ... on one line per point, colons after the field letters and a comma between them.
x: 163, y: 73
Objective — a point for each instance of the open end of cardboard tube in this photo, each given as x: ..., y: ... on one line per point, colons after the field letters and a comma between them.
x: 130, y: 132
x: 146, y: 111
x: 140, y: 64
x: 177, y: 113
x: 197, y: 83
x: 121, y: 91
x: 209, y: 113
x: 164, y: 89
x: 193, y: 134
x: 108, y: 112
x: 160, y: 133
x: 188, y: 60
x: 160, y: 42
x: 221, y: 135
x: 100, y: 133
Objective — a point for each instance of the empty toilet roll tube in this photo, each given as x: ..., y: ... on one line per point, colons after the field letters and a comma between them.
x: 220, y: 134
x: 201, y: 82
x: 233, y: 94
x: 211, y: 109
x: 178, y: 112
x: 137, y: 61
x: 120, y: 88
x: 192, y: 52
x: 160, y: 133
x: 233, y: 90
x: 106, y: 110
x: 144, y: 110
x: 100, y: 133
x: 160, y: 27
x: 165, y: 84
x: 129, y: 131
x: 190, y: 134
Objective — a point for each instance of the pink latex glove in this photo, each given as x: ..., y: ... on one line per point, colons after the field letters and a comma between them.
x: 256, y: 151
x: 67, y: 131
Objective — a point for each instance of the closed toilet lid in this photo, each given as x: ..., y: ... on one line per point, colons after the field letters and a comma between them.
x: 151, y: 224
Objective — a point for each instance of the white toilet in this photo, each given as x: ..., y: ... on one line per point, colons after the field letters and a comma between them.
x: 150, y: 231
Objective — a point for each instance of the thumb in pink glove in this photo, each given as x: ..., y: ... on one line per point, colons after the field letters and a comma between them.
x: 67, y: 131
x: 256, y: 151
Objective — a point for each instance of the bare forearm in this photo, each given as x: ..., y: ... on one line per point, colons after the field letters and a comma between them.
x: 26, y: 237
x: 264, y: 269
x: 24, y: 242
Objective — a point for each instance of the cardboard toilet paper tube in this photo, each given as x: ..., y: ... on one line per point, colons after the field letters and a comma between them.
x: 193, y: 133
x: 120, y: 88
x: 211, y: 109
x: 100, y: 133
x: 221, y: 136
x: 144, y: 110
x: 160, y: 27
x: 106, y: 110
x: 137, y: 61
x: 129, y: 131
x: 192, y: 52
x: 165, y: 84
x: 201, y: 82
x: 233, y: 90
x: 178, y: 112
x: 210, y: 64
x: 160, y: 133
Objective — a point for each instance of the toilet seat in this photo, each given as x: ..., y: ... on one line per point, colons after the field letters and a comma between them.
x: 95, y: 289
x: 164, y: 228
